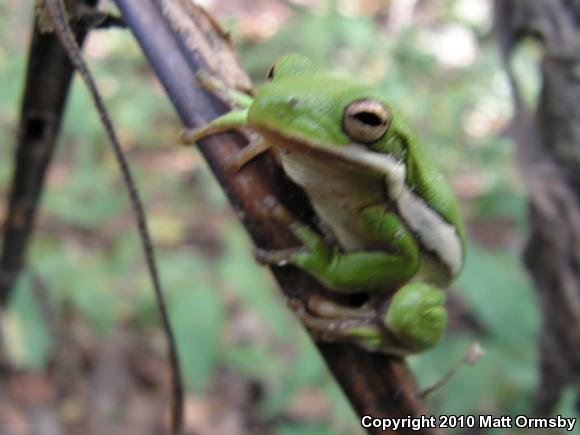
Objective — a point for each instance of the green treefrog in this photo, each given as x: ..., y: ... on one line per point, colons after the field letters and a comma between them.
x: 391, y: 225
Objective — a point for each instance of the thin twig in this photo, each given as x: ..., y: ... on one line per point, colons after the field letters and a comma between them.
x: 473, y: 354
x: 59, y: 18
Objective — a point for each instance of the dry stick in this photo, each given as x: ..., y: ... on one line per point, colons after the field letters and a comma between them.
x: 473, y: 354
x: 48, y: 77
x: 59, y: 18
x: 178, y: 39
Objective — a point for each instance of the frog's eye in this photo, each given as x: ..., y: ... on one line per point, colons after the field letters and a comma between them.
x: 366, y: 120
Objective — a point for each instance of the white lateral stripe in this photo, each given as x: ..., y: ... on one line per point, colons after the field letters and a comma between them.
x: 435, y: 233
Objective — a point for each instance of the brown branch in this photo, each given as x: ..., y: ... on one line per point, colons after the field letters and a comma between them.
x: 179, y: 39
x: 548, y: 139
x: 48, y: 81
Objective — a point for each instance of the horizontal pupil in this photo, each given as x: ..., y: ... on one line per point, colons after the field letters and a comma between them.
x: 369, y: 118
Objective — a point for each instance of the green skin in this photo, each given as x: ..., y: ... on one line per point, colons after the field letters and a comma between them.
x: 396, y: 230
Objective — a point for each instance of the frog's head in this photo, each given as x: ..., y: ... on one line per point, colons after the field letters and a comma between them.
x: 301, y: 105
x: 338, y: 119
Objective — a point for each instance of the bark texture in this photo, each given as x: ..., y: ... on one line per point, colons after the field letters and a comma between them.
x: 548, y: 140
x: 48, y: 79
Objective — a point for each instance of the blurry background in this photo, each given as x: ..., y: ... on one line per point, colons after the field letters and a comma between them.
x: 82, y: 331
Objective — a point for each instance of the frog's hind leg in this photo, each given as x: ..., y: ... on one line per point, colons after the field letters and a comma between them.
x: 415, y: 321
x: 416, y: 316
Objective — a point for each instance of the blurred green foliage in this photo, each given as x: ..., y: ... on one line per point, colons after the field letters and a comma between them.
x: 225, y: 309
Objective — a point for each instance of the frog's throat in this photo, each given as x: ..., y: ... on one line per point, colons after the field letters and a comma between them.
x: 434, y: 232
x: 381, y: 164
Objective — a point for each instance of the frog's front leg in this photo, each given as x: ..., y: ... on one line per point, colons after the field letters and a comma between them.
x: 234, y: 120
x: 351, y: 272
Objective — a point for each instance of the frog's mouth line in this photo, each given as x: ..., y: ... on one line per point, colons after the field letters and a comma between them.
x: 357, y: 154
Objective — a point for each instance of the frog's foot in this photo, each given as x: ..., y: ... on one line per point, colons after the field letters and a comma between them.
x: 313, y: 246
x: 314, y: 243
x: 256, y: 147
x: 277, y: 211
x: 331, y: 324
x: 414, y: 322
x: 234, y: 120
x: 362, y: 331
x: 326, y: 308
x: 231, y: 121
x: 280, y: 257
